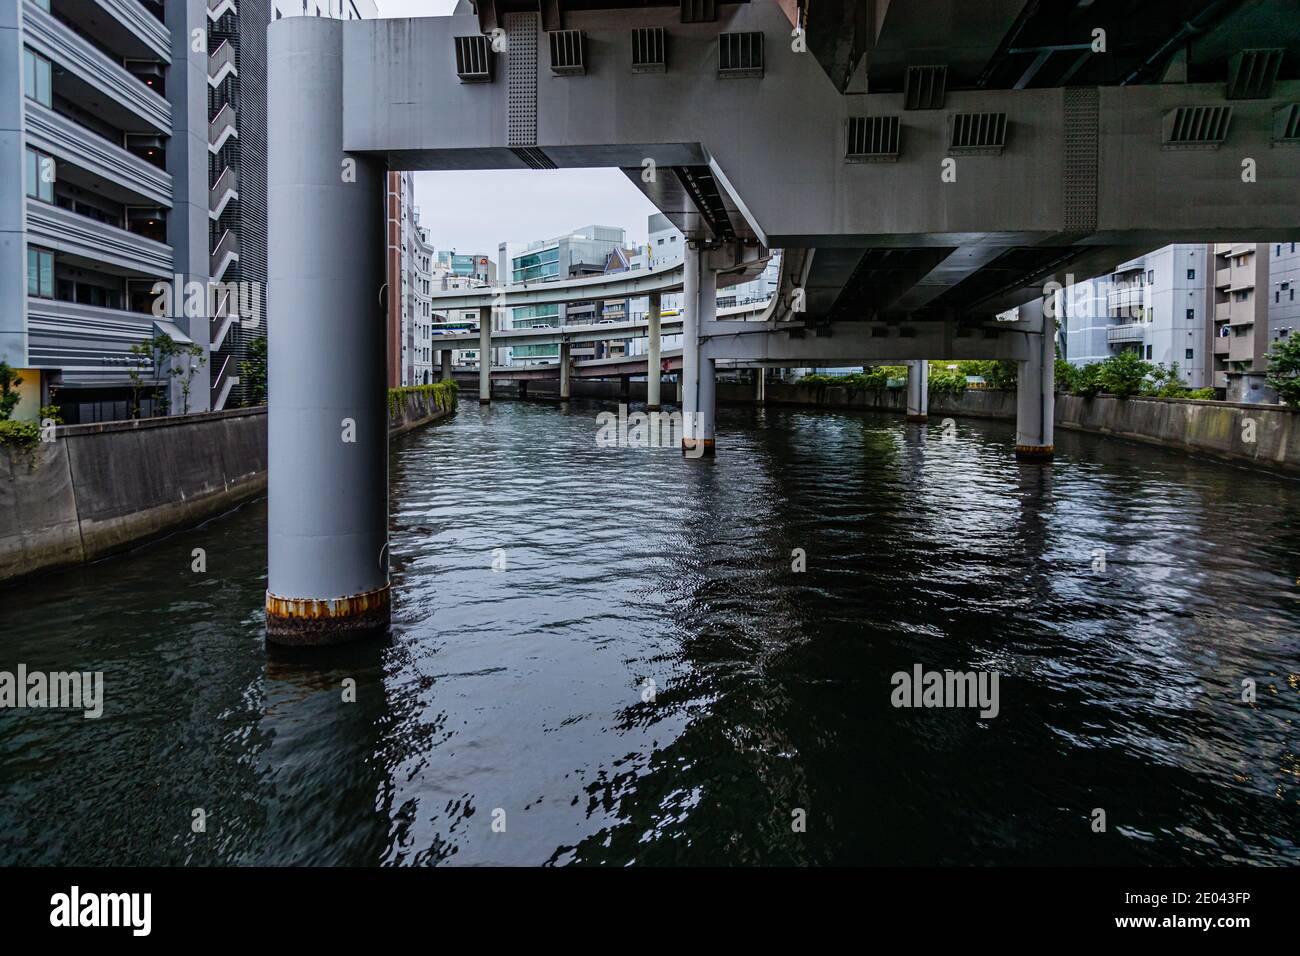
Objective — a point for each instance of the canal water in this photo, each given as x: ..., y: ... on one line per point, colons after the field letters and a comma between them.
x: 603, y: 655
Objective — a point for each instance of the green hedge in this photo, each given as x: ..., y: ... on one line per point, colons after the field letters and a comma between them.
x: 443, y: 394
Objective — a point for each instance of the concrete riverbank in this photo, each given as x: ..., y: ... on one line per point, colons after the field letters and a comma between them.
x: 101, y: 488
x: 1264, y: 435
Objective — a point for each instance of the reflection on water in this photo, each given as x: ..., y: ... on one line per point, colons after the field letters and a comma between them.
x: 528, y: 690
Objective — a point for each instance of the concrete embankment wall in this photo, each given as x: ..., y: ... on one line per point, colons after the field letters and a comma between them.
x: 105, y: 487
x: 1266, y: 435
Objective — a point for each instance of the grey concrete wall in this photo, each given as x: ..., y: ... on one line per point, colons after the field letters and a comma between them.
x: 13, y: 221
x: 1266, y: 435
x: 104, y: 487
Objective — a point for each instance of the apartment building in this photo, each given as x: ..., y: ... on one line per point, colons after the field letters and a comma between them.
x: 1284, y: 305
x: 1238, y: 334
x: 141, y: 204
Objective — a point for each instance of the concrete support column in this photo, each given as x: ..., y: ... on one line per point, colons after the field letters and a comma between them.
x: 1036, y: 388
x: 445, y: 361
x: 918, y: 390
x: 327, y: 522
x: 760, y: 385
x: 699, y: 303
x: 653, y: 353
x: 485, y: 355
x: 565, y: 362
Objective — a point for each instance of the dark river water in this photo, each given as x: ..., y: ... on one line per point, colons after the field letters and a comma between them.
x: 521, y: 696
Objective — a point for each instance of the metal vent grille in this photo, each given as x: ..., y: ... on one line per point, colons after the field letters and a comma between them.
x: 521, y: 78
x: 649, y: 53
x: 1251, y: 74
x: 924, y: 87
x: 533, y: 157
x: 567, y: 48
x: 1196, y: 127
x: 740, y: 55
x: 1286, y: 125
x: 978, y: 133
x: 699, y: 11
x: 872, y: 139
x: 474, y: 59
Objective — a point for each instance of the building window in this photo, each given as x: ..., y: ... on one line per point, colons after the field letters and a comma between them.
x: 1148, y: 352
x: 1279, y: 249
x: 1191, y: 353
x: 1151, y: 277
x: 36, y: 77
x: 40, y: 176
x: 40, y: 272
x: 1191, y: 274
x: 1191, y: 315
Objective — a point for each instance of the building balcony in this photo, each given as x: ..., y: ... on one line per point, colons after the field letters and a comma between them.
x: 224, y: 255
x: 1222, y: 278
x: 89, y: 344
x: 221, y: 193
x: 126, y: 28
x: 1222, y: 311
x: 221, y: 128
x: 88, y: 77
x: 1241, y: 348
x: 72, y: 144
x: 96, y: 244
x: 221, y: 64
x: 1222, y: 344
x: 1129, y: 332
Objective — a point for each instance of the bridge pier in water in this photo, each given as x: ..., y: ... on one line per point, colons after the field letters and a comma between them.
x: 1036, y: 387
x: 699, y: 304
x: 565, y: 369
x: 327, y: 513
x: 445, y: 361
x: 653, y: 352
x: 918, y: 390
x: 485, y: 355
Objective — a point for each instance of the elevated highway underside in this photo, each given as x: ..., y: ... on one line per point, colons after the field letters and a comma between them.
x: 925, y: 165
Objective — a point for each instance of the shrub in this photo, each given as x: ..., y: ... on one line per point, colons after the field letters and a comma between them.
x: 1201, y: 394
x: 1284, y: 370
x: 443, y: 394
x: 9, y: 397
x: 947, y: 383
x: 1123, y: 375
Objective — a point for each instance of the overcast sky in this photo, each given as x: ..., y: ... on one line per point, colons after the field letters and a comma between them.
x: 473, y: 212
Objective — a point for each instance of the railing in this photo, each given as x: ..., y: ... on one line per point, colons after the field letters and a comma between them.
x: 221, y: 63
x: 1129, y: 332
x: 221, y: 193
x: 225, y: 253
x: 221, y: 128
x: 218, y: 8
x: 67, y: 140
x: 78, y: 235
x: 222, y: 383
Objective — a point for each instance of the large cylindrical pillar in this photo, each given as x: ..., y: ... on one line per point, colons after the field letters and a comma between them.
x: 445, y: 361
x: 565, y: 369
x: 653, y: 358
x: 918, y: 390
x: 327, y: 521
x: 699, y: 301
x: 484, y: 355
x: 760, y: 385
x: 1036, y: 388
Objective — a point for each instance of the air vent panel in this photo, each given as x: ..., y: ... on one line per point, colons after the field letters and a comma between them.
x: 568, y: 49
x: 1196, y: 127
x: 740, y: 55
x: 649, y: 50
x: 474, y: 59
x: 1286, y: 125
x: 699, y: 11
x: 977, y: 134
x: 872, y: 139
x: 1251, y: 74
x: 924, y: 87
